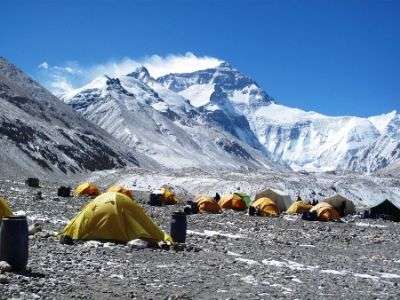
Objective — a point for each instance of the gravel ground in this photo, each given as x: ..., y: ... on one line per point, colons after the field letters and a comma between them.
x: 228, y: 256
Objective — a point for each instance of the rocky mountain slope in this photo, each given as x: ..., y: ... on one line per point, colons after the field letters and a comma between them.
x: 40, y: 135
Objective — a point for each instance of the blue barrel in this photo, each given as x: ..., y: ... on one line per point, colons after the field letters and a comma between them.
x: 14, y: 242
x: 178, y: 227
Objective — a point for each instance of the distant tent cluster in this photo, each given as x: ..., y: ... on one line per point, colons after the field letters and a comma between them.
x: 272, y: 203
x: 116, y: 216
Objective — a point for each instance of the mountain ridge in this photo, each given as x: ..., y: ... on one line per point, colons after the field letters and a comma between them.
x: 167, y: 128
x: 226, y: 99
x: 41, y: 135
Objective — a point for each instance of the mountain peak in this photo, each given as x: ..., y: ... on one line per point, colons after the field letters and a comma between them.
x: 226, y: 65
x: 7, y: 66
x: 3, y: 59
x: 141, y: 73
x: 381, y: 122
x: 114, y: 84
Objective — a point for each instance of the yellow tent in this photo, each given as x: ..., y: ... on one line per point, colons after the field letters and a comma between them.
x: 325, y: 212
x: 232, y: 201
x: 114, y: 217
x: 298, y: 207
x: 281, y: 199
x: 266, y: 207
x: 122, y: 190
x: 5, y: 210
x: 343, y: 205
x: 167, y: 196
x: 207, y: 205
x: 87, y: 189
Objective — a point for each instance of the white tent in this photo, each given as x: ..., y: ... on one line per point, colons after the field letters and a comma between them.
x: 343, y: 205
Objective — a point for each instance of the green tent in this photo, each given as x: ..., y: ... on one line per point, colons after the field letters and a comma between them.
x: 245, y: 198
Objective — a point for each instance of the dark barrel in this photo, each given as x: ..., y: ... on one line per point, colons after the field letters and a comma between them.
x: 178, y: 227
x: 14, y: 242
x: 32, y: 182
x: 64, y: 191
x: 155, y: 199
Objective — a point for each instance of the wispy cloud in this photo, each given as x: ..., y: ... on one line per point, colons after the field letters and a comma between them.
x: 159, y: 66
x: 66, y: 78
x: 43, y: 65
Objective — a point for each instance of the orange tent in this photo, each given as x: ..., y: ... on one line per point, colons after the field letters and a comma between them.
x: 207, y: 205
x: 325, y: 212
x: 87, y: 189
x: 121, y: 189
x: 232, y: 201
x: 266, y: 207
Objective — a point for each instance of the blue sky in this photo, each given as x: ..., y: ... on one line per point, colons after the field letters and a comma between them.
x: 334, y: 57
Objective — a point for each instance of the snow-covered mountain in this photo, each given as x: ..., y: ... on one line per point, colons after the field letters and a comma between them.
x: 40, y: 135
x: 304, y: 140
x: 220, y: 117
x: 142, y: 113
x: 314, y: 142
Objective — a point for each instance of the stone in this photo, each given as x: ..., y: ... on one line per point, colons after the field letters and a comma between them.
x: 137, y: 244
x: 35, y: 228
x: 4, y: 267
x: 4, y: 279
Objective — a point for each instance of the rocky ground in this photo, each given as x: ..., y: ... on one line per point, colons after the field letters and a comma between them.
x: 228, y: 256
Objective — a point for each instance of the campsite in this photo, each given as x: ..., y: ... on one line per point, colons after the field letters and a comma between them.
x: 226, y: 255
x: 199, y: 149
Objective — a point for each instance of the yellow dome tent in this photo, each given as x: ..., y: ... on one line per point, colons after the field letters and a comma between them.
x: 236, y: 201
x: 114, y: 217
x: 5, y: 210
x: 207, y: 205
x: 265, y: 207
x: 298, y: 207
x: 87, y: 189
x: 325, y: 212
x: 167, y: 196
x: 121, y: 189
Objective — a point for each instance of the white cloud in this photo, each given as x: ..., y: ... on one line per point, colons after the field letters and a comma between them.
x: 159, y: 66
x: 72, y: 75
x: 43, y: 65
x: 61, y: 86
